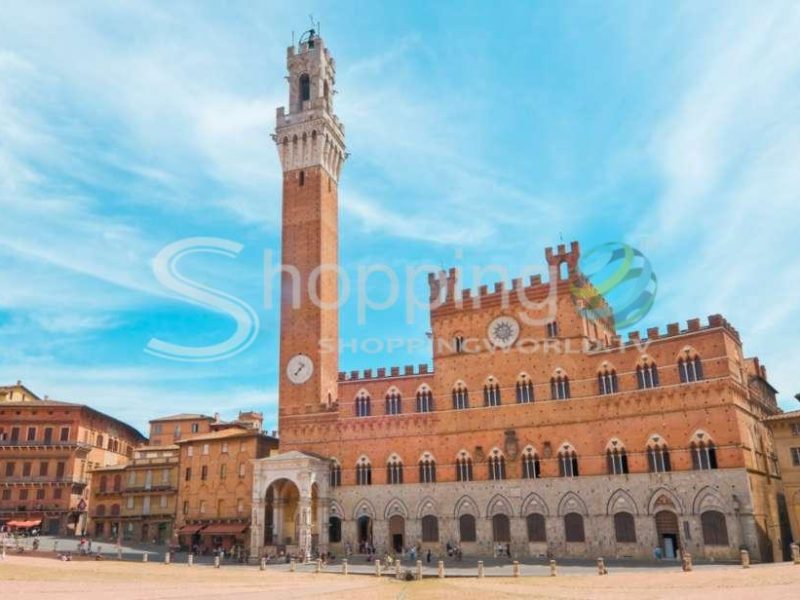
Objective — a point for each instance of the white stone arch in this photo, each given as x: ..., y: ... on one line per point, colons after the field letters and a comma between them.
x: 337, y: 510
x: 395, y: 507
x: 427, y: 455
x: 363, y: 460
x: 606, y: 365
x: 615, y: 444
x: 673, y: 502
x: 621, y: 501
x: 708, y: 498
x: 466, y: 505
x: 534, y: 503
x: 393, y: 389
x: 529, y: 449
x: 423, y: 387
x: 363, y: 508
x: 496, y: 451
x: 459, y: 383
x: 499, y: 505
x: 701, y: 436
x: 567, y: 447
x: 688, y: 351
x: 655, y: 440
x: 571, y: 502
x: 394, y: 457
x: 462, y: 454
x: 427, y: 506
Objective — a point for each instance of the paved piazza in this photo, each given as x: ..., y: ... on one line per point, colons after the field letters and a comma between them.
x: 44, y: 578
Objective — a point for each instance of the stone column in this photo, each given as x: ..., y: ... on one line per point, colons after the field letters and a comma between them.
x: 304, y: 534
x: 257, y: 527
x: 323, y: 508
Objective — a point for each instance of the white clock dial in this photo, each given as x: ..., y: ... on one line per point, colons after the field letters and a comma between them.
x: 299, y: 368
x: 503, y: 331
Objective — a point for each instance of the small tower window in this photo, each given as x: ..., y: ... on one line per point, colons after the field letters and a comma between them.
x: 302, y: 178
x: 305, y: 87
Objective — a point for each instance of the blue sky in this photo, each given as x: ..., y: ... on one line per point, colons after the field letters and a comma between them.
x: 478, y: 132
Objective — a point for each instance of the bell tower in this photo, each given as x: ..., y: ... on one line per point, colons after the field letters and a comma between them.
x: 310, y: 141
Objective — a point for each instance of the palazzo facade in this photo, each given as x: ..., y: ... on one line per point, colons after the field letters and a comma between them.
x: 537, y: 426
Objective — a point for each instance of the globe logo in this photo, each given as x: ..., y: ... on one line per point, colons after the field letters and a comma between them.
x: 618, y: 282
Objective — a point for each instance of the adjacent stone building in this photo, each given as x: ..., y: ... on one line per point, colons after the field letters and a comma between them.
x: 538, y: 429
x: 786, y: 432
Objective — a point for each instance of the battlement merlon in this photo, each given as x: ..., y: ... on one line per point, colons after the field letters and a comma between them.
x: 380, y: 373
x: 563, y: 256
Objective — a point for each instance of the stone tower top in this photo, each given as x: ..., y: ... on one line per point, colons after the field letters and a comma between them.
x: 309, y: 134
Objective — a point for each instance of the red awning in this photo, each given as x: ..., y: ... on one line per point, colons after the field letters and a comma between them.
x: 225, y: 528
x: 24, y: 524
x: 189, y: 529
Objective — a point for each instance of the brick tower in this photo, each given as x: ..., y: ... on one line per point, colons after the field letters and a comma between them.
x: 310, y: 141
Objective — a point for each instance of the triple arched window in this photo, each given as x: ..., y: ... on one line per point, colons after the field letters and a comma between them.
x: 658, y: 460
x: 524, y: 390
x: 497, y: 466
x: 607, y: 382
x: 363, y: 405
x: 690, y: 369
x: 531, y: 467
x: 704, y: 454
x: 491, y: 393
x: 460, y: 397
x: 559, y: 387
x: 363, y: 472
x: 424, y: 399
x: 427, y: 469
x: 335, y: 475
x: 393, y: 400
x: 567, y: 462
x: 647, y: 375
x: 394, y: 470
x: 616, y: 459
x: 463, y: 467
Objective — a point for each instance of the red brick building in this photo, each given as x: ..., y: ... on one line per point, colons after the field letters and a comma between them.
x: 47, y: 449
x: 537, y: 428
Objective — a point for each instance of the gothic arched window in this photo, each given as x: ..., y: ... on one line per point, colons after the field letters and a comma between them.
x: 460, y: 397
x: 394, y: 470
x: 647, y: 375
x: 559, y: 387
x: 393, y: 399
x: 363, y: 472
x: 463, y: 467
x: 690, y: 369
x: 424, y: 400
x: 567, y: 462
x: 305, y: 87
x: 363, y: 407
x: 491, y: 393
x: 607, y: 382
x: 427, y: 469
x: 531, y: 468
x: 524, y: 390
x: 497, y: 466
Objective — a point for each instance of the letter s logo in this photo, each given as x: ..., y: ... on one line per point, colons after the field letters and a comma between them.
x: 165, y: 270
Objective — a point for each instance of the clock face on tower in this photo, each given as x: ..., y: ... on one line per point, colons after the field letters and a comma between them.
x: 503, y: 331
x: 299, y: 368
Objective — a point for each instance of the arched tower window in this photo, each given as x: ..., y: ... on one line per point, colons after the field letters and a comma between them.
x: 658, y: 455
x: 305, y: 89
x: 394, y: 470
x: 616, y: 458
x: 704, y: 452
x: 491, y: 393
x: 335, y: 475
x: 531, y: 468
x: 363, y: 471
x: 393, y: 399
x: 460, y: 397
x: 647, y: 374
x: 559, y: 386
x: 690, y: 368
x: 427, y: 469
x: 363, y: 404
x: 463, y: 467
x: 524, y: 389
x: 607, y: 382
x: 424, y: 399
x: 567, y: 461
x: 497, y: 465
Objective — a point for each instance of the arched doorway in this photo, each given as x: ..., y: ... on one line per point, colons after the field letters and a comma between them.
x: 364, y: 526
x: 668, y: 533
x: 397, y: 530
x: 281, y: 514
x: 501, y: 529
